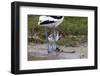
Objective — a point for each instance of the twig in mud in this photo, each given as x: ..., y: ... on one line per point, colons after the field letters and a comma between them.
x: 59, y: 50
x: 68, y: 51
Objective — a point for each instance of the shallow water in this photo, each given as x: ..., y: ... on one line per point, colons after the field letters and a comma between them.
x: 39, y: 52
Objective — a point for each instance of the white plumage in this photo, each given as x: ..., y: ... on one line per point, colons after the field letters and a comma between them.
x: 49, y: 21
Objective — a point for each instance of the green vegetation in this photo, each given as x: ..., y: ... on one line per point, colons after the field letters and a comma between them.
x: 73, y: 31
x: 74, y: 26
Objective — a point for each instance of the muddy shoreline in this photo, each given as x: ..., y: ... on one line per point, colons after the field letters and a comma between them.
x: 39, y: 52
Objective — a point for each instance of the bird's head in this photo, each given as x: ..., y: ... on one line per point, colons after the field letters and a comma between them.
x: 42, y: 19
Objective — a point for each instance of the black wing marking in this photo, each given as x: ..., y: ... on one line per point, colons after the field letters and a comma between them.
x: 47, y: 22
x: 56, y: 17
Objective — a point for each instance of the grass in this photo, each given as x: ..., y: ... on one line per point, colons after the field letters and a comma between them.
x: 74, y: 25
x: 72, y: 40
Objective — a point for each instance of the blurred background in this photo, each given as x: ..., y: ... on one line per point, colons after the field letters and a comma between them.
x: 73, y: 31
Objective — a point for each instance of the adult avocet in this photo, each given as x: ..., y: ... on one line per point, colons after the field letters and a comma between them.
x: 51, y: 22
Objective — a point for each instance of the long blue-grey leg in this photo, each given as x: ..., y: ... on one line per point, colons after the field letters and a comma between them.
x: 54, y: 36
x: 49, y: 47
x: 46, y: 36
